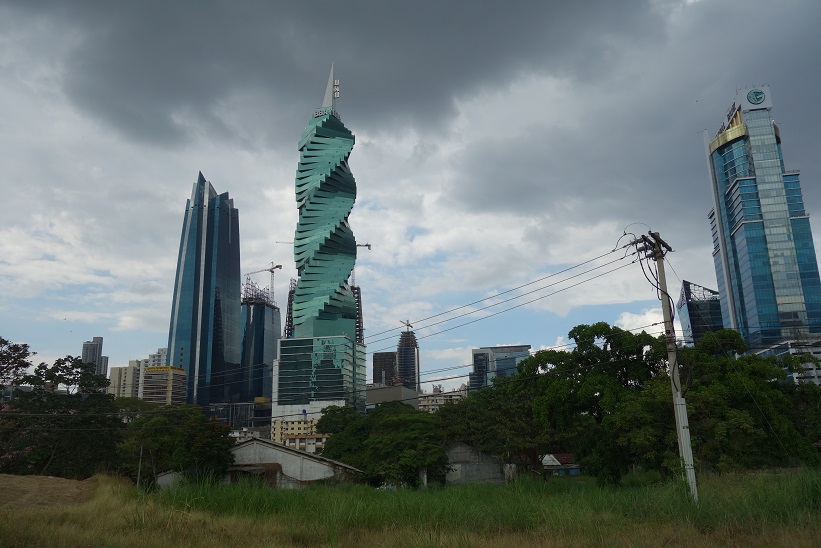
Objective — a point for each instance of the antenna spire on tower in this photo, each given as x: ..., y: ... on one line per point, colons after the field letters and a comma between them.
x: 331, y: 92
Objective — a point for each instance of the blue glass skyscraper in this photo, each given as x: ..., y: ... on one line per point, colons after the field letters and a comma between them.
x: 206, y: 330
x: 260, y: 337
x: 763, y: 250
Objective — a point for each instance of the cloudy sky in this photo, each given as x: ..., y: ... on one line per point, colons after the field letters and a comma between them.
x: 497, y: 145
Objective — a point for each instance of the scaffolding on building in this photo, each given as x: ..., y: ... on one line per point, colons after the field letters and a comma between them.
x: 289, y: 316
x: 252, y: 293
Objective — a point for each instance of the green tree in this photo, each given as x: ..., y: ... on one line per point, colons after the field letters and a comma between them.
x: 65, y: 426
x: 742, y: 410
x: 177, y: 438
x: 14, y: 362
x: 391, y: 443
x: 400, y: 445
x: 498, y: 420
x: 581, y: 394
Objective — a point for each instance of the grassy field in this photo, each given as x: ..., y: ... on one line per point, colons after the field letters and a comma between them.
x: 761, y: 509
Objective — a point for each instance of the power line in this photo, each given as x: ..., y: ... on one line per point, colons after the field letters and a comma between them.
x: 504, y: 292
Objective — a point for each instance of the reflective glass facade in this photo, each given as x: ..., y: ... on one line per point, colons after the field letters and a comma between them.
x: 699, y: 311
x: 206, y: 330
x: 323, y: 358
x: 763, y: 252
x: 490, y: 362
x: 321, y: 369
x: 407, y: 361
x: 324, y: 245
x: 260, y: 338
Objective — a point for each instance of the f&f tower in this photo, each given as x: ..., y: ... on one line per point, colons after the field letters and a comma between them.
x: 324, y: 245
x: 322, y: 363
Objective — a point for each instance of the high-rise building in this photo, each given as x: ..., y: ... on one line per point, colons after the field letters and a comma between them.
x: 164, y: 385
x: 407, y: 361
x: 384, y: 368
x: 763, y: 250
x: 490, y: 362
x: 205, y: 337
x: 324, y: 245
x: 699, y: 311
x: 322, y: 360
x: 158, y: 359
x: 262, y: 326
x: 93, y: 353
x: 126, y: 382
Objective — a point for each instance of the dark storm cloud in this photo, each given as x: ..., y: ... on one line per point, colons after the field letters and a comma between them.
x: 144, y: 67
x: 637, y: 150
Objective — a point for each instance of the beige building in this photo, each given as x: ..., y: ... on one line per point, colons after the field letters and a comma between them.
x: 164, y: 385
x: 125, y: 382
x: 430, y: 403
x: 294, y: 426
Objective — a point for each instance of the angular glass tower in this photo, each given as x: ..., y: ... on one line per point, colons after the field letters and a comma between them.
x: 324, y: 245
x: 205, y: 333
x: 763, y: 250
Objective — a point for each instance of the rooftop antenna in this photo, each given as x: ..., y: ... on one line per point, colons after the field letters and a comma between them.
x: 331, y: 92
x: 407, y: 325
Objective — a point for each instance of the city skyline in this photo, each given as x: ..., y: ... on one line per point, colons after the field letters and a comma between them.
x: 483, y: 164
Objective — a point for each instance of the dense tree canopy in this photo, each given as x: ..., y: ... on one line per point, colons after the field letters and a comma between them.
x: 65, y: 424
x: 175, y: 438
x: 392, y: 443
x: 608, y: 400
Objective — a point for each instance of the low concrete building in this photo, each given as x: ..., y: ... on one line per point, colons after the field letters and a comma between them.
x: 295, y: 425
x: 469, y: 465
x: 377, y: 394
x: 431, y: 403
x: 284, y: 467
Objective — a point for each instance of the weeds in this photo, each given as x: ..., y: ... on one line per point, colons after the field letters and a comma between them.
x: 782, y: 507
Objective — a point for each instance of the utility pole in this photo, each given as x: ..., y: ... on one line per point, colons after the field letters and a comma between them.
x: 658, y: 247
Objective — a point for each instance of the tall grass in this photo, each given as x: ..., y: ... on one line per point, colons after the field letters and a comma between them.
x: 755, y: 509
x: 753, y: 502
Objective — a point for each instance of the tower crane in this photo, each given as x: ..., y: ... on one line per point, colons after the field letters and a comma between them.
x: 270, y: 269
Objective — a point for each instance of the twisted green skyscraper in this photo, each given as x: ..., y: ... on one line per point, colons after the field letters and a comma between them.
x: 324, y: 245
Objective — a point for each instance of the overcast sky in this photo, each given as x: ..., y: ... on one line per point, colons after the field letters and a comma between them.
x: 495, y: 145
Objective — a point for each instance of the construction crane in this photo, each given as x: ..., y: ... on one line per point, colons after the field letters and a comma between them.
x: 270, y: 269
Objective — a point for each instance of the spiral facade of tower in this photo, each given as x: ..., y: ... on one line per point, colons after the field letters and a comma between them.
x: 324, y: 245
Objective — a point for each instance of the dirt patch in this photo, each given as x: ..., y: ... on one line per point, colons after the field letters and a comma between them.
x: 44, y: 491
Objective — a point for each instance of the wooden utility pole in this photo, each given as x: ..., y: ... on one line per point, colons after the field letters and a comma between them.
x: 659, y: 248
